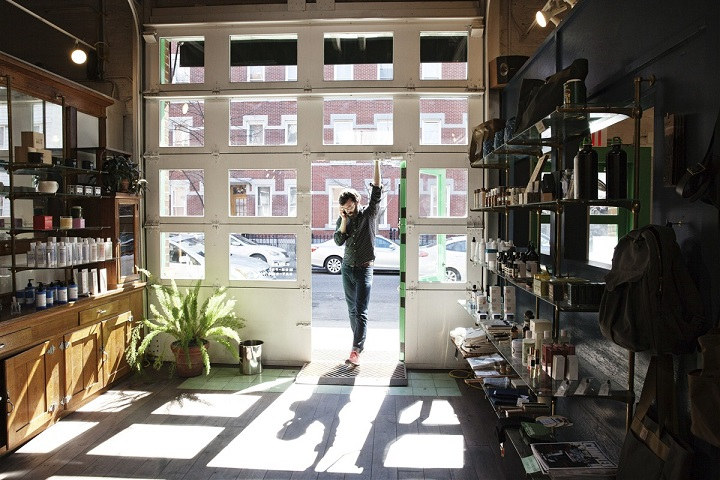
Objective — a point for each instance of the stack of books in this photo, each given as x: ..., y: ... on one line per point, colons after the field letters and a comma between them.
x: 573, y: 459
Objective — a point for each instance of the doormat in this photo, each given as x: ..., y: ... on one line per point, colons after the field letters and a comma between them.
x: 368, y: 374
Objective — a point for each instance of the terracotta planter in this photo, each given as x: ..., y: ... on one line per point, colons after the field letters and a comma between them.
x: 195, y: 368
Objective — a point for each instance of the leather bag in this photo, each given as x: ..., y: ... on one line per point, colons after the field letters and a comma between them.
x: 704, y: 388
x: 652, y: 449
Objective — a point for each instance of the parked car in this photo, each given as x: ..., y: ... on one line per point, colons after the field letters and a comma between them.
x: 188, y: 261
x: 329, y: 256
x: 454, y: 262
x: 241, y: 246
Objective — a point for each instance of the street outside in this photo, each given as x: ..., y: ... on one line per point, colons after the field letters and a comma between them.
x: 330, y: 310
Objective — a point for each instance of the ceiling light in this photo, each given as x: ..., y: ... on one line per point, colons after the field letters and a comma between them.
x: 551, y: 10
x: 78, y: 55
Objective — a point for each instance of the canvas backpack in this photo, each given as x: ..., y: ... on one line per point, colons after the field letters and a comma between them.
x: 650, y: 302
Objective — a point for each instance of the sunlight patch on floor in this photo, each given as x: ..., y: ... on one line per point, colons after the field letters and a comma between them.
x: 441, y: 413
x: 56, y: 436
x: 279, y: 438
x: 113, y: 401
x: 207, y: 405
x: 355, y: 421
x: 426, y: 451
x: 158, y: 441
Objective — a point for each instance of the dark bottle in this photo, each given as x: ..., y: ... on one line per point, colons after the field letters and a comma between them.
x: 586, y: 172
x: 616, y: 170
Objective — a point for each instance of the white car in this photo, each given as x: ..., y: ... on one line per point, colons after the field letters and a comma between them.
x: 453, y: 263
x: 329, y: 256
x: 241, y: 246
x: 188, y: 261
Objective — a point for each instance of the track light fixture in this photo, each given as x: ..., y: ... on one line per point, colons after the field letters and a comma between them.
x: 551, y: 10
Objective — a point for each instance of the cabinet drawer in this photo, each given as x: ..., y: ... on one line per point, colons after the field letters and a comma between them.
x: 13, y: 341
x: 105, y: 310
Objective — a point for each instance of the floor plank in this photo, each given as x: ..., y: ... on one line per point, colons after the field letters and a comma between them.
x: 249, y: 428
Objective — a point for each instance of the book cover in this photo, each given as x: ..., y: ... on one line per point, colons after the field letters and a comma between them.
x: 572, y: 458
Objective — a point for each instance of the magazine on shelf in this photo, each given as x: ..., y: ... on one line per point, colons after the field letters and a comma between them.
x: 567, y: 459
x: 484, y: 363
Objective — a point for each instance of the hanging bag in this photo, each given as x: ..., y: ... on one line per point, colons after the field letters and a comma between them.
x: 652, y: 450
x: 704, y: 387
x: 650, y: 302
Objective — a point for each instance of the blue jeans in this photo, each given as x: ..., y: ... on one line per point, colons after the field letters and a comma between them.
x: 356, y: 283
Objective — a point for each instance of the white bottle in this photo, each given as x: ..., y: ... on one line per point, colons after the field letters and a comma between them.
x: 108, y: 249
x: 480, y: 256
x: 40, y: 255
x: 85, y: 251
x: 100, y: 243
x: 473, y: 250
x: 61, y: 255
x: 31, y: 256
x: 77, y: 254
x: 93, y: 250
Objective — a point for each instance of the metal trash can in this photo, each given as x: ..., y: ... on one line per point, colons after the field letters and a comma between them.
x: 251, y: 357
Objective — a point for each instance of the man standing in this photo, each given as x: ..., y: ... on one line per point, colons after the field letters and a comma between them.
x: 356, y: 229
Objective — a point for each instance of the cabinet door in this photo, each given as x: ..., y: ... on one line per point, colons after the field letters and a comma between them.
x: 115, y: 337
x: 33, y: 391
x: 84, y: 374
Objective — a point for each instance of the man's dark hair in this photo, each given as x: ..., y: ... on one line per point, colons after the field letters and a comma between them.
x: 349, y: 194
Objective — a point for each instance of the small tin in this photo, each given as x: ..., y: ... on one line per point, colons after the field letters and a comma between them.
x: 98, y: 191
x: 79, y: 190
x: 71, y: 189
x: 89, y: 190
x: 574, y: 92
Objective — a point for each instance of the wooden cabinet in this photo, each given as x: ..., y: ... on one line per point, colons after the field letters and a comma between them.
x: 61, y: 373
x: 32, y: 391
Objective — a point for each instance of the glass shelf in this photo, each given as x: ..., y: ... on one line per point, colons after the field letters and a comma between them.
x: 77, y: 265
x: 543, y: 385
x: 36, y: 168
x: 526, y: 286
x: 562, y: 125
x: 35, y: 195
x: 555, y: 205
x: 57, y: 230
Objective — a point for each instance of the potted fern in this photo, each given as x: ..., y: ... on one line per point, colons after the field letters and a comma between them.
x: 191, y: 324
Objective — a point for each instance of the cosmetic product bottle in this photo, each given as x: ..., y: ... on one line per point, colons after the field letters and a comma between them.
x: 30, y: 293
x: 527, y: 345
x: 72, y: 291
x: 40, y: 297
x: 616, y: 170
x: 586, y: 172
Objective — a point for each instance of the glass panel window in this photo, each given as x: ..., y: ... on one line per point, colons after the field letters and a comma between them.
x: 443, y: 55
x: 443, y: 192
x: 262, y: 193
x: 183, y: 255
x: 443, y: 121
x: 182, y: 60
x: 358, y: 56
x: 263, y: 121
x: 182, y: 193
x: 263, y: 58
x: 602, y: 241
x: 182, y: 123
x: 53, y: 126
x: 267, y: 256
x: 358, y: 121
x: 545, y: 233
x: 442, y: 258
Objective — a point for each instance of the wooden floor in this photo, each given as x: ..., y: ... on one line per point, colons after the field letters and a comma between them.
x: 152, y: 427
